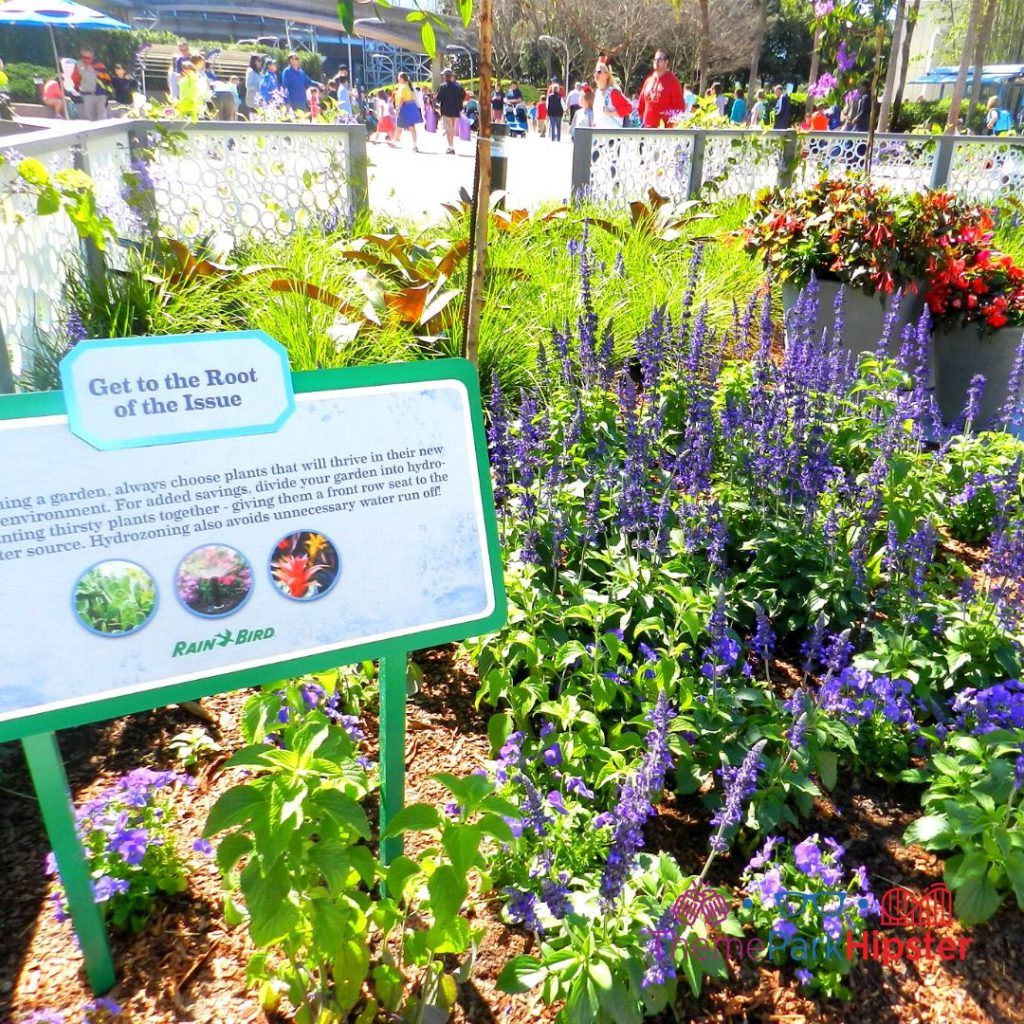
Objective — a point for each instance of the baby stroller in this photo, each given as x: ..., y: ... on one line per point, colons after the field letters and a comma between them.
x: 515, y: 120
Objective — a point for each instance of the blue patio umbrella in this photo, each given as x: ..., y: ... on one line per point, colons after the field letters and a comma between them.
x: 53, y: 14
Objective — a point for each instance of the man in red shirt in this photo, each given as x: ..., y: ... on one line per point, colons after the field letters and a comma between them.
x: 661, y: 94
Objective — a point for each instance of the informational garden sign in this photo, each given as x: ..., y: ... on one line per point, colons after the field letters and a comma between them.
x: 188, y: 517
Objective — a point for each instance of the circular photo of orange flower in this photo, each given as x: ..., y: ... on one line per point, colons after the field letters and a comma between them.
x: 304, y: 566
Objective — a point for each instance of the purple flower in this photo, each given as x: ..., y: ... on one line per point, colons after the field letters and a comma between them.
x: 634, y: 804
x: 763, y: 640
x: 203, y: 846
x: 823, y: 86
x: 604, y: 819
x: 105, y: 888
x: 521, y: 907
x: 556, y: 896
x: 101, y: 1009
x: 740, y: 784
x: 553, y: 756
x: 803, y: 975
x: 784, y: 929
x: 763, y: 855
x: 555, y: 800
x: 845, y: 61
x: 575, y: 784
x: 659, y: 950
x: 130, y: 843
x: 808, y: 856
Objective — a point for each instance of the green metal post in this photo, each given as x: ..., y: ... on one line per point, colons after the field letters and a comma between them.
x: 392, y: 747
x: 51, y: 783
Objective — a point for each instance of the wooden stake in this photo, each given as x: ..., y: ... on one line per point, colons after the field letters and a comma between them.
x: 482, y: 194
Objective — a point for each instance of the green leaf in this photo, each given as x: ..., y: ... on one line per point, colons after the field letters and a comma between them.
x: 231, y: 849
x: 272, y: 915
x: 521, y: 974
x: 498, y: 728
x: 414, y: 818
x: 350, y: 967
x: 347, y: 15
x: 465, y: 11
x: 428, y: 38
x: 48, y: 202
x: 601, y: 975
x: 1015, y: 869
x: 469, y: 790
x: 926, y: 829
x: 492, y: 825
x: 33, y: 171
x: 462, y: 842
x: 960, y: 869
x: 343, y: 810
x: 400, y: 872
x: 827, y: 762
x: 237, y: 806
x: 448, y: 890
x: 976, y: 900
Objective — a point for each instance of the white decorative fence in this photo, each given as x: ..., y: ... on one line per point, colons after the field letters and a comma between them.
x: 233, y: 180
x: 620, y: 165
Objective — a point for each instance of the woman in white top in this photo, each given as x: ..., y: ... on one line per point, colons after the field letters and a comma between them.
x: 253, y: 81
x: 610, y: 105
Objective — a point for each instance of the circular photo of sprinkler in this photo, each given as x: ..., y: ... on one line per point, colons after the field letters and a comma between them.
x: 304, y: 565
x: 214, y: 580
x: 115, y: 598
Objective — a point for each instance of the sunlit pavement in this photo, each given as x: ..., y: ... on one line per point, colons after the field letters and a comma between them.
x: 407, y: 184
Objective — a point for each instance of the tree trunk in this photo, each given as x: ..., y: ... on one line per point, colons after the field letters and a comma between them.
x: 812, y: 75
x: 984, y: 35
x: 957, y: 102
x: 895, y: 50
x: 481, y: 195
x: 908, y: 35
x: 760, y: 34
x: 704, y: 52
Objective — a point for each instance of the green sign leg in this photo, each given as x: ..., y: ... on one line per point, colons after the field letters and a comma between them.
x: 51, y: 783
x: 392, y: 747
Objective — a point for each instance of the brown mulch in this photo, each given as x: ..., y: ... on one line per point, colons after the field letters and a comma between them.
x: 188, y: 966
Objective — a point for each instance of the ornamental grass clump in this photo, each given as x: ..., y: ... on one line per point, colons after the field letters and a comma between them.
x: 128, y: 832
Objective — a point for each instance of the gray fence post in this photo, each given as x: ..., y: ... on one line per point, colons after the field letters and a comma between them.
x: 358, y: 188
x: 941, y: 161
x: 582, y: 148
x: 696, y: 179
x: 95, y: 267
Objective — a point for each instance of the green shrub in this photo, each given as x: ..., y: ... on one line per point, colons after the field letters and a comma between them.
x: 23, y: 78
x: 925, y: 113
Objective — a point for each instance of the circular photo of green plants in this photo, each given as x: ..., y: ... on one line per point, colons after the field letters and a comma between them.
x: 115, y: 598
x: 304, y: 565
x: 214, y: 580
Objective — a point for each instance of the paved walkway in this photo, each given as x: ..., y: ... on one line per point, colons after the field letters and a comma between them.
x: 408, y: 184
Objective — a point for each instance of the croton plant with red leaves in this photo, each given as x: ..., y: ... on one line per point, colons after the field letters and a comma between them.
x: 877, y: 240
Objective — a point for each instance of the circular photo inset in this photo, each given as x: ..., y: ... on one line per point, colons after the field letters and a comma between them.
x: 304, y: 565
x: 115, y: 598
x: 214, y: 580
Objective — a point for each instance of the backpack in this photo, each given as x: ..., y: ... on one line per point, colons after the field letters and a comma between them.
x: 1004, y: 122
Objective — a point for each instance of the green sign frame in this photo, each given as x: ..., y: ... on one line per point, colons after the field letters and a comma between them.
x: 36, y: 729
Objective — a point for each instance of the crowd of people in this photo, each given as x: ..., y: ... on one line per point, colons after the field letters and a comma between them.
x: 195, y: 91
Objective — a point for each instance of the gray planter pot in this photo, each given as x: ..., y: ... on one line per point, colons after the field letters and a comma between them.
x: 862, y: 315
x: 962, y: 352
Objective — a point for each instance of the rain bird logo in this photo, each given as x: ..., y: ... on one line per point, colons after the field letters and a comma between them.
x: 222, y: 639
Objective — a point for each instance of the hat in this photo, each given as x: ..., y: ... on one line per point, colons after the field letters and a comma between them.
x: 554, y: 78
x: 448, y: 71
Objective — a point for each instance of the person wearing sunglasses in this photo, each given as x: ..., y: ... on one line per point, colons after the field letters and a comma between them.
x: 611, y: 107
x: 661, y: 95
